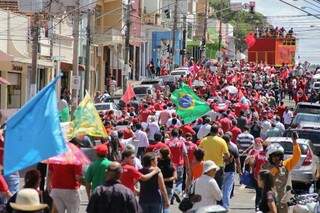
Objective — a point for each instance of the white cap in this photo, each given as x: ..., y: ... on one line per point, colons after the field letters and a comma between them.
x: 209, y: 165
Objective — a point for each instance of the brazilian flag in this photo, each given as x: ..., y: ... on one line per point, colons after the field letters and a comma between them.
x: 188, y: 105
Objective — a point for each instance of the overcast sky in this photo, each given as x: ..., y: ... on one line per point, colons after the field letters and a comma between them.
x: 307, y: 28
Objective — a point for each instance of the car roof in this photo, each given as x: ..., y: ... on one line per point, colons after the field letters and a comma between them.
x: 308, y: 104
x: 104, y: 103
x: 286, y: 139
x: 144, y: 85
x: 307, y: 114
x: 304, y: 130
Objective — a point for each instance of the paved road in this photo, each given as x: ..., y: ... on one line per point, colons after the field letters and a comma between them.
x: 242, y: 202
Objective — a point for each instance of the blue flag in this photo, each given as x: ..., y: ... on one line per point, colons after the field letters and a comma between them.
x: 34, y: 134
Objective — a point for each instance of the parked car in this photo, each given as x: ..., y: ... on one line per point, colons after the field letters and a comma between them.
x: 103, y: 107
x: 142, y: 91
x: 156, y: 83
x: 305, y: 119
x: 316, y: 86
x: 304, y: 172
x: 311, y: 133
x: 306, y: 107
x: 180, y: 71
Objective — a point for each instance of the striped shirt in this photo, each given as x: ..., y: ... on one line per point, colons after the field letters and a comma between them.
x: 244, y: 140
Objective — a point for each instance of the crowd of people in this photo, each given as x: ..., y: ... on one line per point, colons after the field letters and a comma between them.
x: 274, y: 32
x: 152, y: 157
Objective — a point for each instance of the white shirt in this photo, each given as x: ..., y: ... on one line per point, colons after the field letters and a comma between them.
x: 209, y: 190
x: 213, y: 115
x: 203, y: 131
x: 280, y: 126
x: 287, y: 117
x: 169, y: 122
x: 153, y: 128
x: 141, y: 138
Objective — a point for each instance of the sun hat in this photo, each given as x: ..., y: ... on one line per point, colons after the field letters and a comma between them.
x: 209, y: 165
x: 28, y: 200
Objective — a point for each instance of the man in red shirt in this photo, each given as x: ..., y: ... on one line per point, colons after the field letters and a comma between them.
x: 225, y: 122
x: 64, y: 181
x: 130, y: 175
x: 235, y: 130
x: 281, y: 109
x: 156, y: 145
x: 144, y: 113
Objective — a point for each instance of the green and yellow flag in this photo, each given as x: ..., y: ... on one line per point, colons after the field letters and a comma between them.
x: 188, y: 105
x: 87, y: 120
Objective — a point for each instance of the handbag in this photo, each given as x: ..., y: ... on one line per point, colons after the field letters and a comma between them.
x: 188, y: 201
x: 247, y: 179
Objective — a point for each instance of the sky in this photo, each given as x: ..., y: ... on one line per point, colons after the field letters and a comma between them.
x: 307, y: 28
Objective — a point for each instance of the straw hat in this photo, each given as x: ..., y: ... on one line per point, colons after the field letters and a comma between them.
x: 28, y: 200
x: 209, y: 165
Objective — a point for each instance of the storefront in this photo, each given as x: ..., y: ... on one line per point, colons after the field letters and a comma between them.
x: 13, y: 95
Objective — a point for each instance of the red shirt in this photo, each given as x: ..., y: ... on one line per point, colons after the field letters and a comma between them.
x: 226, y: 124
x: 3, y: 185
x: 65, y: 176
x: 187, y: 129
x: 280, y: 110
x: 178, y: 150
x: 156, y: 147
x: 191, y: 147
x: 130, y: 176
x: 235, y: 132
x: 144, y: 114
x: 127, y: 133
x: 260, y: 159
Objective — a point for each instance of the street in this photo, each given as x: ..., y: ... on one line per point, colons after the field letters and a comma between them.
x: 242, y: 202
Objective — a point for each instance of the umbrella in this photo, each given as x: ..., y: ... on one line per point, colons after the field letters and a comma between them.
x: 74, y: 155
x: 232, y: 89
x: 4, y: 81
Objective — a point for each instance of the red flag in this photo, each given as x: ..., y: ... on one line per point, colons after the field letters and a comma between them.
x: 250, y: 40
x: 128, y: 95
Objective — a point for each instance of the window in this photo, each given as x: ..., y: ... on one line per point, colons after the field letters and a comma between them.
x: 14, y: 90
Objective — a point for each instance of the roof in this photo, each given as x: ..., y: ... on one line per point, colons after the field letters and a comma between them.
x: 286, y: 139
x: 308, y: 104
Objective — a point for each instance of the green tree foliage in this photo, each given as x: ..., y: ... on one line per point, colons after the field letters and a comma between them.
x: 242, y: 21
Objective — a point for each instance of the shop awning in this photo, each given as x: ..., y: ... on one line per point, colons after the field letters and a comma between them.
x: 4, y: 81
x: 66, y: 67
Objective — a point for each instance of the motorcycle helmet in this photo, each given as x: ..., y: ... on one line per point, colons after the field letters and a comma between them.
x: 275, y: 149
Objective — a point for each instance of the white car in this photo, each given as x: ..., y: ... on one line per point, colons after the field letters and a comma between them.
x: 103, y: 107
x: 142, y: 91
x: 180, y: 71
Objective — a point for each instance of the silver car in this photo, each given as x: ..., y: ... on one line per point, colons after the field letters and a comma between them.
x: 305, y: 170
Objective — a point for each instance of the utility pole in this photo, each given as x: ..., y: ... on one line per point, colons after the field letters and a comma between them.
x: 175, y: 18
x: 34, y: 62
x: 184, y: 39
x: 126, y: 45
x: 75, y: 61
x: 87, y: 72
x: 220, y: 33
x: 204, y: 36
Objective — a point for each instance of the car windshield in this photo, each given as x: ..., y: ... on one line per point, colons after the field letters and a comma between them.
x: 140, y: 90
x: 313, y: 109
x: 303, y: 117
x: 178, y: 73
x: 100, y: 107
x: 313, y: 136
x: 316, y: 84
x: 288, y: 148
x: 149, y: 82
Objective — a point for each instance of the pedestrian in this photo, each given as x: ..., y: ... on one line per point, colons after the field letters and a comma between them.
x: 179, y: 153
x: 4, y: 189
x: 287, y: 117
x: 27, y: 200
x: 216, y: 150
x: 64, y: 183
x: 268, y: 200
x: 206, y: 186
x: 153, y: 197
x: 112, y: 196
x: 130, y: 175
x: 244, y: 141
x: 168, y: 170
x: 157, y: 144
x: 280, y: 168
x: 232, y: 166
x: 95, y: 174
x: 141, y: 137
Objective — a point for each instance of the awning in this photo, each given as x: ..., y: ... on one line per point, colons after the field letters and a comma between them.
x: 4, y: 81
x: 66, y: 67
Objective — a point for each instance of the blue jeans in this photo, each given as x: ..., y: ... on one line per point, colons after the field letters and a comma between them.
x: 151, y: 207
x: 228, y: 182
x: 178, y: 187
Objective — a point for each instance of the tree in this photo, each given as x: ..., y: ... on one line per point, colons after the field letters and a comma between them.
x: 242, y: 21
